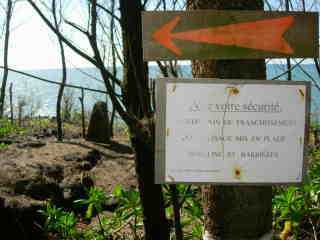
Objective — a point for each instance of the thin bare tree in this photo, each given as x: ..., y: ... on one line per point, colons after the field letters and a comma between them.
x: 9, y: 10
x: 134, y: 106
x: 57, y: 23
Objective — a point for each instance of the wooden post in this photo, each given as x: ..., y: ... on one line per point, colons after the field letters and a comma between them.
x: 176, y: 209
x: 11, y: 104
x: 19, y: 114
x: 39, y: 122
x: 82, y: 113
x: 288, y: 59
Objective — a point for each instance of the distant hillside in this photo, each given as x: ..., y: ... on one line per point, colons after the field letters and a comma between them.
x: 45, y: 94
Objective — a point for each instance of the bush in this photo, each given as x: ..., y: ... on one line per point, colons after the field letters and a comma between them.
x: 297, y: 209
x: 7, y: 128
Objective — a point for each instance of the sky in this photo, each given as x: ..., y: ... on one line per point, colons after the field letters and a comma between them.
x: 34, y: 46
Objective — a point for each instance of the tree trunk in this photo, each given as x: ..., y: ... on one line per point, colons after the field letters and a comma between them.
x: 5, y: 57
x: 288, y: 59
x: 137, y: 102
x: 11, y: 103
x: 83, y: 122
x: 114, y: 66
x: 64, y: 75
x: 174, y: 194
x: 234, y: 212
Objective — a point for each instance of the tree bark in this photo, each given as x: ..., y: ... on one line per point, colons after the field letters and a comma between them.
x: 174, y: 193
x: 114, y: 66
x: 5, y: 56
x: 64, y: 75
x: 234, y: 212
x: 288, y: 59
x: 11, y: 103
x: 137, y: 101
x: 82, y: 114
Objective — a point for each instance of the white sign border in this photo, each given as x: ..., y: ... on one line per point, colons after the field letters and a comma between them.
x: 160, y: 128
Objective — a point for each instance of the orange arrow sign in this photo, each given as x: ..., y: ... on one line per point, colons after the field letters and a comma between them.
x: 264, y: 35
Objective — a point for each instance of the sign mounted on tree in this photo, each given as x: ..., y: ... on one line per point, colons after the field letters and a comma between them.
x: 231, y: 131
x: 209, y: 34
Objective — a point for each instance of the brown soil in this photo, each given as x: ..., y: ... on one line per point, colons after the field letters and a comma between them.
x: 35, y: 170
x: 116, y: 166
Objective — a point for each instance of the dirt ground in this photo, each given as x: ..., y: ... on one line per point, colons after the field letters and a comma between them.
x: 116, y: 165
x: 33, y: 170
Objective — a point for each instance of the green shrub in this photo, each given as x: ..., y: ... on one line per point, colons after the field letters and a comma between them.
x: 60, y: 222
x: 3, y: 146
x: 7, y: 128
x: 299, y: 207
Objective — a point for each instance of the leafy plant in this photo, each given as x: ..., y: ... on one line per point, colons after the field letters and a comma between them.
x: 7, y: 128
x: 59, y: 222
x: 297, y: 208
x: 129, y: 210
x: 191, y: 210
x: 95, y: 202
x: 96, y: 199
x: 3, y: 146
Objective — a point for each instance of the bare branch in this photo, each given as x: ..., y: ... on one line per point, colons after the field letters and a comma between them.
x: 316, y: 63
x: 109, y: 12
x: 79, y: 28
x: 53, y: 82
x: 315, y: 83
x: 66, y: 41
x: 290, y: 69
x: 106, y: 75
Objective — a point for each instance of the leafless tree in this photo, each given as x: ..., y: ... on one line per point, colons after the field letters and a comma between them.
x: 57, y: 23
x: 9, y: 10
x: 134, y: 105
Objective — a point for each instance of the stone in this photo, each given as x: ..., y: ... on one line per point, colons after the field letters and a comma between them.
x: 32, y: 144
x: 99, y: 126
x: 73, y: 157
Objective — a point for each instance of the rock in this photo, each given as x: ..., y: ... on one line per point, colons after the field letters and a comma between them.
x: 86, y: 162
x: 39, y: 190
x: 74, y: 187
x: 73, y: 157
x: 20, y: 218
x: 99, y: 126
x: 85, y: 166
x: 53, y: 171
x: 48, y: 132
x: 93, y: 156
x: 32, y: 144
x: 41, y: 182
x: 7, y: 141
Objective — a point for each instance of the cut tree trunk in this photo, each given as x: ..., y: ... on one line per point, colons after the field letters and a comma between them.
x: 99, y: 126
x: 234, y: 212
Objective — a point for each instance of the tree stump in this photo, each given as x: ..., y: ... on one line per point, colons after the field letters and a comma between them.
x: 99, y: 126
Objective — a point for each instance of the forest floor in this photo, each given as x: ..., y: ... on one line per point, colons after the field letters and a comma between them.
x: 36, y: 168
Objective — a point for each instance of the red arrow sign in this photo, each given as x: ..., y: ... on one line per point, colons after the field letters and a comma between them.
x: 264, y: 35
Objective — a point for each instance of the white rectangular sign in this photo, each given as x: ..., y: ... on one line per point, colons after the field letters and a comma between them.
x: 231, y: 132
